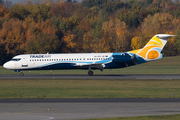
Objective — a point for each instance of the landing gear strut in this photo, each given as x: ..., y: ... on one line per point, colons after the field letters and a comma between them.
x: 21, y: 74
x: 90, y: 73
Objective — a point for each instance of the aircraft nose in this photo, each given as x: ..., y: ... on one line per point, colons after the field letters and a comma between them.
x: 6, y: 65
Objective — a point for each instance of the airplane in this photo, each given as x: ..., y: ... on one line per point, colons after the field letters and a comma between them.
x: 90, y: 61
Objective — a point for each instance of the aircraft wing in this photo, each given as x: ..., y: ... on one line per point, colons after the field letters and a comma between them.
x: 90, y: 65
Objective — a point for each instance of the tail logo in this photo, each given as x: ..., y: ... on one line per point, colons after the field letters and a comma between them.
x: 153, y: 54
x: 152, y: 49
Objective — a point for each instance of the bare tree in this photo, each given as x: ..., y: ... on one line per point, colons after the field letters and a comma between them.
x: 1, y: 1
x: 8, y: 4
x: 24, y: 1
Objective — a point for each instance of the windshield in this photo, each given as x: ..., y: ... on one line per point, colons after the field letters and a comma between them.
x: 16, y: 59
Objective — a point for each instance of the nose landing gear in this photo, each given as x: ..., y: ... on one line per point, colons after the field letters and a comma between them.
x: 21, y: 74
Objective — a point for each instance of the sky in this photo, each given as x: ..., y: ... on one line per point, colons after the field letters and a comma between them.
x: 13, y: 1
x: 16, y: 1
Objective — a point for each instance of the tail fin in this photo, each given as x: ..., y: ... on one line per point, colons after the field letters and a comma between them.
x: 152, y: 50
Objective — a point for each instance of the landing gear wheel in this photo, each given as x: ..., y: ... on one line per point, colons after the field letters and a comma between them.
x: 22, y: 74
x: 90, y: 73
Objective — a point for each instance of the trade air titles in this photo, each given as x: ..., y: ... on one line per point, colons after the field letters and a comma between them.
x: 40, y: 56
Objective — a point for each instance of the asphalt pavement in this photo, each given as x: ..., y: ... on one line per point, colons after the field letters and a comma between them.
x: 96, y: 76
x: 72, y: 109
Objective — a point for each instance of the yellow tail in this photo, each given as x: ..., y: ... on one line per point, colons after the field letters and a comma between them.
x: 152, y: 50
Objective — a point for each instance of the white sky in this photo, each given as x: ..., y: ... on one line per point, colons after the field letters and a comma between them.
x: 13, y: 1
x: 16, y: 1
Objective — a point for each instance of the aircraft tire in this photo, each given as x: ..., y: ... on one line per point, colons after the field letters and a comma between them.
x: 22, y: 74
x: 90, y: 73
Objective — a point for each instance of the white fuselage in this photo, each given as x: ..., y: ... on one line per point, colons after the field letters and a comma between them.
x: 37, y: 61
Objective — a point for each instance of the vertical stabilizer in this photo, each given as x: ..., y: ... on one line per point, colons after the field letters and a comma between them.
x: 152, y: 50
x: 159, y: 40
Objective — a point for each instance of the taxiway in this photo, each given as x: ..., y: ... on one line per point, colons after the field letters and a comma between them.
x: 72, y: 109
x: 96, y: 76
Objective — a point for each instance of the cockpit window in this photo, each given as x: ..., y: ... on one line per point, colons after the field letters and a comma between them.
x: 16, y: 59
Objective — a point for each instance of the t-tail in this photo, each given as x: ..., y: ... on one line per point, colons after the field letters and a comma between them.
x: 152, y: 50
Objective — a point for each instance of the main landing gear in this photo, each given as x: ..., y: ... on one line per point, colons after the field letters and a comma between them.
x: 100, y: 67
x: 90, y: 73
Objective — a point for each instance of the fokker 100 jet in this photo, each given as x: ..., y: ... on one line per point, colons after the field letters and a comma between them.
x: 90, y: 61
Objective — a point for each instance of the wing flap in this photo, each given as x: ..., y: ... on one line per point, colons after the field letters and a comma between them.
x: 91, y: 65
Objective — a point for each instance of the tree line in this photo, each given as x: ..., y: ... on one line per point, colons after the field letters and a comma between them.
x: 89, y: 26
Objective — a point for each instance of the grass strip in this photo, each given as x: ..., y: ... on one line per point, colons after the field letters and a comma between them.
x: 18, y: 89
x: 157, y: 117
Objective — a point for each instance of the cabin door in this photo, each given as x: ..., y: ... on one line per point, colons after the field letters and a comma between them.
x: 24, y: 61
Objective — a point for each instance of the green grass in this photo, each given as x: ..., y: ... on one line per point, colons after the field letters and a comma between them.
x: 89, y: 89
x: 166, y: 65
x: 157, y: 117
